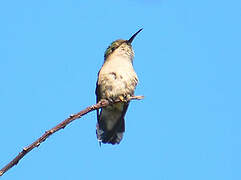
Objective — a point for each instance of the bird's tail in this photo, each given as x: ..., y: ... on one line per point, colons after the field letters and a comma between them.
x: 112, y: 136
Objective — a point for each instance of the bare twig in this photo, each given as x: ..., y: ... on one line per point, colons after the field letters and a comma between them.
x: 100, y: 104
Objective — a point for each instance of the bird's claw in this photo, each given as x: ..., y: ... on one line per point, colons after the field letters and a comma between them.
x: 122, y: 99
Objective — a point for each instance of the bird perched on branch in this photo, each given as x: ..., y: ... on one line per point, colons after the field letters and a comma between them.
x: 116, y: 82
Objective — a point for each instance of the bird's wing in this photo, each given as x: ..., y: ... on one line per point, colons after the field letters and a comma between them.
x: 97, y: 93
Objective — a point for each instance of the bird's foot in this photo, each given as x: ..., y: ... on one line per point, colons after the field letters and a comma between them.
x: 111, y: 100
x: 122, y: 98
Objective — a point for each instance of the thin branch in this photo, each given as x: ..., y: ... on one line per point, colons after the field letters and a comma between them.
x: 62, y: 125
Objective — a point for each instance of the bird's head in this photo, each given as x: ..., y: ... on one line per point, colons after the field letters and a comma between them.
x: 122, y: 47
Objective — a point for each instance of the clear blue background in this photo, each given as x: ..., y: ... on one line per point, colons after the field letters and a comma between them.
x: 188, y: 59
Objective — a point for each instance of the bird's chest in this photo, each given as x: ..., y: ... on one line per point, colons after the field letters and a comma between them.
x: 117, y: 78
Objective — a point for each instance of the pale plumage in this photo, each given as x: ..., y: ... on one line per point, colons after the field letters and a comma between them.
x: 116, y: 81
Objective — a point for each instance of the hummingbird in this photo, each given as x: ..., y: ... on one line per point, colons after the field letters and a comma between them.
x: 116, y: 81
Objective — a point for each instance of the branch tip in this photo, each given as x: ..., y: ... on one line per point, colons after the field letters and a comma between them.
x: 136, y: 97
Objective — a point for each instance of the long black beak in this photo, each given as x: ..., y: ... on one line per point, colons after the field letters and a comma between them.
x: 133, y: 37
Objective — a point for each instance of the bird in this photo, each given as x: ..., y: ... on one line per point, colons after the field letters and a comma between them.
x: 116, y: 82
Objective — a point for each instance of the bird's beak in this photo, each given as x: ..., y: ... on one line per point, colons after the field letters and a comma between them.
x: 133, y: 37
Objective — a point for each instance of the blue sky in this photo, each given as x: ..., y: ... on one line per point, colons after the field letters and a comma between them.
x: 189, y: 65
